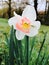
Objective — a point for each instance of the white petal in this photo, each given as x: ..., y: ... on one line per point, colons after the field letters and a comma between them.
x: 17, y: 16
x: 33, y: 32
x: 15, y: 13
x: 14, y: 20
x: 29, y: 12
x: 19, y: 35
x: 36, y: 24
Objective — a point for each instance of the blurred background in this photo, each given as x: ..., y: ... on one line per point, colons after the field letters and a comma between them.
x: 8, y: 6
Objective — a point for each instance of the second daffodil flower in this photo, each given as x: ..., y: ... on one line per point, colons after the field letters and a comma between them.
x: 25, y: 24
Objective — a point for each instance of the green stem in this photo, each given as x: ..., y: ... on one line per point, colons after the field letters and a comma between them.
x: 27, y: 50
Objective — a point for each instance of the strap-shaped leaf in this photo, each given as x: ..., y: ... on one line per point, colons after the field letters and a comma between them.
x: 26, y: 60
x: 41, y: 48
x: 11, y: 48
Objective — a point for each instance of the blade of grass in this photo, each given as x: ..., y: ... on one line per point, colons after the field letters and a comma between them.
x: 6, y: 38
x: 1, y: 54
x: 6, y: 58
x: 43, y: 57
x: 40, y: 63
x: 41, y: 48
x: 46, y: 62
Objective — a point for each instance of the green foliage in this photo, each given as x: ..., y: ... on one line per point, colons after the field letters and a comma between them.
x: 20, y: 52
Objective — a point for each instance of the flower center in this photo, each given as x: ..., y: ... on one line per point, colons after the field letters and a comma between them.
x: 25, y: 25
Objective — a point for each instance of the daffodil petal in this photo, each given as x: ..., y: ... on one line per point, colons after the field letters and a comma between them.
x: 11, y: 21
x: 14, y: 20
x: 33, y: 32
x: 19, y: 35
x: 36, y: 24
x: 29, y: 12
x: 17, y: 16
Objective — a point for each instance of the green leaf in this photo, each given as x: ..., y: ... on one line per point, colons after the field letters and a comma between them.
x: 41, y: 48
x: 33, y: 42
x: 11, y: 48
x: 26, y: 52
x: 18, y: 51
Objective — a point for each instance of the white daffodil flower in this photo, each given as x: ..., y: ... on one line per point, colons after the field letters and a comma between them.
x: 25, y: 24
